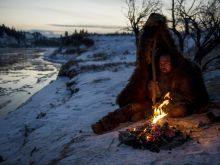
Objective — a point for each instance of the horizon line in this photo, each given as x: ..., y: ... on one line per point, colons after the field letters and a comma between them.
x: 89, y: 26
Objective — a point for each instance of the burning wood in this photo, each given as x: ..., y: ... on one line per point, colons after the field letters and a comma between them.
x: 153, y: 136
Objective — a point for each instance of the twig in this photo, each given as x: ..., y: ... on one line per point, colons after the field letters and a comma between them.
x: 154, y: 71
x: 109, y: 146
x: 107, y: 149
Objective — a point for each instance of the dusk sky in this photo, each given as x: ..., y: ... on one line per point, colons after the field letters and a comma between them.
x: 61, y: 15
x: 57, y: 16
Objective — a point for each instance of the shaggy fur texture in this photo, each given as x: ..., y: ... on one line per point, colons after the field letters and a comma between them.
x: 185, y: 82
x: 187, y: 76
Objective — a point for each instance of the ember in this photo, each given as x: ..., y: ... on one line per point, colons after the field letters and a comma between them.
x: 153, y: 137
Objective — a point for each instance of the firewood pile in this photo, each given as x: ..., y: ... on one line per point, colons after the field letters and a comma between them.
x: 153, y: 137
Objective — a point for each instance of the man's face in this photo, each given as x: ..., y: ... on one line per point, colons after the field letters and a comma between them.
x: 165, y: 64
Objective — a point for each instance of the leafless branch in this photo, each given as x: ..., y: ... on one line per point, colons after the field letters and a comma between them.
x: 137, y: 13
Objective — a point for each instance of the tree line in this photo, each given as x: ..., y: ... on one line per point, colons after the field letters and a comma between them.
x: 18, y: 35
x: 196, y: 21
x: 35, y: 39
x: 77, y: 39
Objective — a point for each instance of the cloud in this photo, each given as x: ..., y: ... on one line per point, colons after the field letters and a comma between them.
x: 89, y: 26
x: 54, y: 10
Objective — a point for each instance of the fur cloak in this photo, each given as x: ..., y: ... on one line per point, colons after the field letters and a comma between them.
x: 136, y: 90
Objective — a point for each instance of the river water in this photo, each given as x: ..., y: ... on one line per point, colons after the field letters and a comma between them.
x: 23, y: 72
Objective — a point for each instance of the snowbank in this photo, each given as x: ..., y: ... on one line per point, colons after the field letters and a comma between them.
x: 54, y: 127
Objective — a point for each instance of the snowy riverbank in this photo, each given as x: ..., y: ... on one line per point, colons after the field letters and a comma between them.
x: 54, y: 126
x: 23, y: 72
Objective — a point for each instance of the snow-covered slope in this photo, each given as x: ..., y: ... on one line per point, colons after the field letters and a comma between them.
x: 54, y: 126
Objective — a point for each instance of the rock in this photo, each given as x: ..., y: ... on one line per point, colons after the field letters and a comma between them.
x: 41, y: 115
x: 214, y: 115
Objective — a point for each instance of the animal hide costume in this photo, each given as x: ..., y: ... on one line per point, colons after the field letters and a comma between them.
x: 185, y: 82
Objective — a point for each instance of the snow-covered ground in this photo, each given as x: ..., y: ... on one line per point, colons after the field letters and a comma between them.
x: 54, y: 126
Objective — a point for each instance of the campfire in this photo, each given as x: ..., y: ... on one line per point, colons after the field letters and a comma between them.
x: 158, y: 110
x: 151, y: 134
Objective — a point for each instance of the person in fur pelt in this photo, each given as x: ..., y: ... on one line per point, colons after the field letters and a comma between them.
x: 174, y: 74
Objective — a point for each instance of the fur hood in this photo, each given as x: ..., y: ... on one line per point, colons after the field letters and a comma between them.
x: 156, y: 30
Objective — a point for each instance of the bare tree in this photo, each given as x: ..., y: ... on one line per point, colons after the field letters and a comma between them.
x: 197, y: 20
x: 200, y: 21
x: 209, y: 26
x: 137, y: 13
x: 179, y: 22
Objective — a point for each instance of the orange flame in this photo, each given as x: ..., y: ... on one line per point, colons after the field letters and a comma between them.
x: 158, y: 110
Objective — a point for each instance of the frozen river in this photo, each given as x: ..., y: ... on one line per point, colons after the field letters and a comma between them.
x: 23, y: 72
